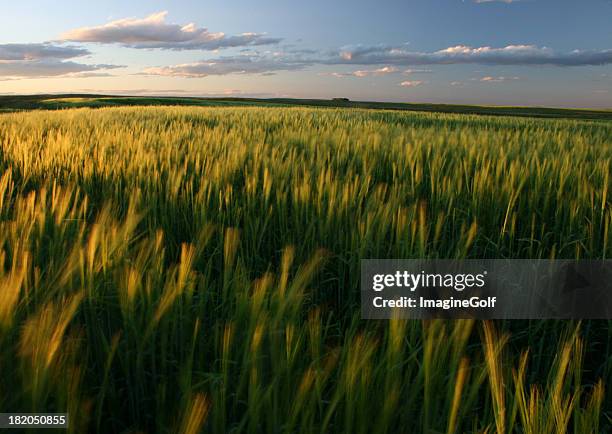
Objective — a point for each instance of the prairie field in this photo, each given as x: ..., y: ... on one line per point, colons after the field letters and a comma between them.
x: 196, y: 269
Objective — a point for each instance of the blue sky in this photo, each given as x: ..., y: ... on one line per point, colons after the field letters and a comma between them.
x: 529, y: 52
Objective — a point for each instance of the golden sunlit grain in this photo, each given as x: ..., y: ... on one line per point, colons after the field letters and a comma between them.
x: 194, y: 270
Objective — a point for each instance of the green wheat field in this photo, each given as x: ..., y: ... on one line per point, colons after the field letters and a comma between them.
x: 196, y: 269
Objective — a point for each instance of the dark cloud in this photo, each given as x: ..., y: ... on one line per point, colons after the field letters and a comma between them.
x: 500, y: 79
x: 497, y: 1
x: 50, y: 68
x: 10, y: 52
x: 417, y: 71
x: 382, y: 60
x: 45, y: 60
x: 154, y: 32
x: 229, y: 65
x: 461, y: 54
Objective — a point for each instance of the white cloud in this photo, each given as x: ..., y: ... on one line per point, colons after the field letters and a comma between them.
x: 154, y: 32
x: 412, y: 83
x: 376, y: 72
x: 362, y: 73
x: 89, y: 75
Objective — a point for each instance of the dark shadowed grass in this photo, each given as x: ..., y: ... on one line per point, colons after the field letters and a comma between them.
x: 57, y: 102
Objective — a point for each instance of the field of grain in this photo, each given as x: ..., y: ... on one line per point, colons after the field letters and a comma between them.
x: 183, y: 269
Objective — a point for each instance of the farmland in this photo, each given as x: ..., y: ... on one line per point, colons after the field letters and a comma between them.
x: 173, y: 269
x: 58, y: 102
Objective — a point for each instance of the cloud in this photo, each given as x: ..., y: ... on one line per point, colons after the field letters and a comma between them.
x: 154, y: 32
x: 45, y: 60
x: 501, y: 79
x: 362, y: 73
x: 11, y: 52
x: 47, y: 68
x: 336, y: 74
x: 382, y: 60
x: 462, y: 54
x: 90, y: 74
x: 412, y: 83
x: 225, y: 66
x: 417, y: 71
x: 375, y: 72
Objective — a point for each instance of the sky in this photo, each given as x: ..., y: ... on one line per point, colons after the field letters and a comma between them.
x: 490, y: 52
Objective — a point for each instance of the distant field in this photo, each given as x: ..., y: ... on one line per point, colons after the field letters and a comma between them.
x: 171, y: 268
x: 49, y: 102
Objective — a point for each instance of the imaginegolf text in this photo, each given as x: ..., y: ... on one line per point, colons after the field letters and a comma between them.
x: 426, y: 303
